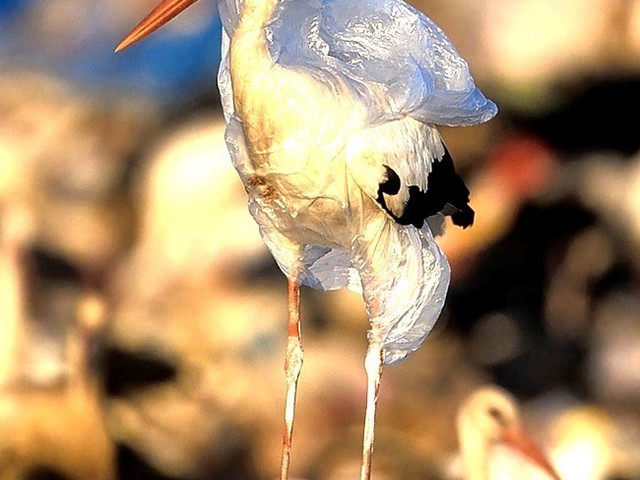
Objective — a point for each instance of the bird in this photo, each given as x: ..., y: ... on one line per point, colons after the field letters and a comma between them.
x: 487, y: 417
x: 331, y: 109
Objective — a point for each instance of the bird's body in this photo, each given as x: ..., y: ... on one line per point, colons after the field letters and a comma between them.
x: 331, y: 107
x: 316, y: 136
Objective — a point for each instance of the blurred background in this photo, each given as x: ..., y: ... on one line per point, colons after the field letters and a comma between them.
x: 142, y: 325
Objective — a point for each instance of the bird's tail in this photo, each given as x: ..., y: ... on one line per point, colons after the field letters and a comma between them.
x: 447, y: 190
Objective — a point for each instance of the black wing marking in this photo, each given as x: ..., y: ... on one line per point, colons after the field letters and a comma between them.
x: 445, y: 188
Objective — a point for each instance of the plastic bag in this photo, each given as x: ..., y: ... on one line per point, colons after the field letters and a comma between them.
x: 347, y: 101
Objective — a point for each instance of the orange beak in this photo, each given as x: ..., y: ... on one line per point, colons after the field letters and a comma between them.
x: 523, y: 443
x: 165, y: 11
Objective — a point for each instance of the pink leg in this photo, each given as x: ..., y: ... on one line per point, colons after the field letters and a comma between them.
x: 373, y: 367
x: 292, y: 368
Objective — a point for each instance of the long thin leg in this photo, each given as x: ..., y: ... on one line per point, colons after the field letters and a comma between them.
x: 292, y: 368
x: 373, y: 367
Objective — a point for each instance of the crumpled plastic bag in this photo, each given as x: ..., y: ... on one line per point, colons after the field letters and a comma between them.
x: 398, y: 69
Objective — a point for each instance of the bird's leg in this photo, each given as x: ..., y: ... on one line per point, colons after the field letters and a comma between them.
x: 292, y: 368
x: 373, y: 367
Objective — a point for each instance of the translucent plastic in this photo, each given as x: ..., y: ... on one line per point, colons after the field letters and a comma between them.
x: 352, y: 86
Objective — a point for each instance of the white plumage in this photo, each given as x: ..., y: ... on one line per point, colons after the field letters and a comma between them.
x: 331, y: 108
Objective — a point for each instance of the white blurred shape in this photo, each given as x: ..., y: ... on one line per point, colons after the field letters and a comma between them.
x: 583, y: 449
x: 530, y: 41
x: 194, y: 214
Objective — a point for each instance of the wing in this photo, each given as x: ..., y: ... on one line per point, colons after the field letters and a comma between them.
x: 386, y: 44
x: 405, y: 167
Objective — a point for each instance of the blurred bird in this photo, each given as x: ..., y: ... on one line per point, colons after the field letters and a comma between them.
x: 331, y: 110
x: 490, y: 416
x: 60, y: 427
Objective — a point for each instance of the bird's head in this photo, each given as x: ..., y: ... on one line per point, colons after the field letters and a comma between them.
x: 161, y: 14
x: 491, y: 412
x: 491, y: 415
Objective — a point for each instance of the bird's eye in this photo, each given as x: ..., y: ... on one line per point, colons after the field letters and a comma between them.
x: 497, y: 415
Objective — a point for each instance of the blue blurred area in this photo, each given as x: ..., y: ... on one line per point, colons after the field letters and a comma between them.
x: 9, y: 7
x: 169, y: 66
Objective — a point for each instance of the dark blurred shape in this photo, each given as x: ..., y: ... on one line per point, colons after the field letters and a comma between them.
x: 51, y: 266
x: 511, y: 273
x: 43, y: 473
x: 618, y: 277
x: 133, y: 467
x: 510, y: 279
x: 592, y: 116
x: 126, y: 370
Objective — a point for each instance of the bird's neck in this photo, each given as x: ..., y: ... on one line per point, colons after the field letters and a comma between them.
x: 249, y: 56
x: 255, y: 15
x: 474, y: 450
x: 249, y: 53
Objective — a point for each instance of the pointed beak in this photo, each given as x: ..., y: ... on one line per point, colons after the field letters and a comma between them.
x: 165, y: 11
x: 520, y: 441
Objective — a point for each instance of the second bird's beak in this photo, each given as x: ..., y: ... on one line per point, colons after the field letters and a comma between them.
x: 165, y: 11
x: 523, y: 443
